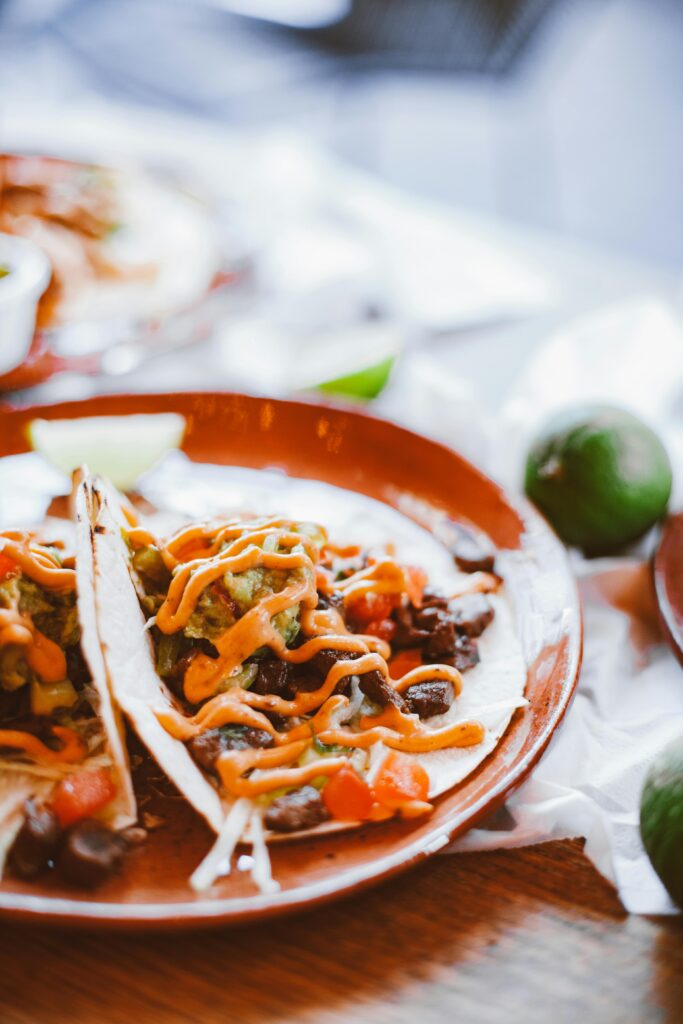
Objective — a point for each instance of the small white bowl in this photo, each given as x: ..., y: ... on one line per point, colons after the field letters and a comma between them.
x: 20, y: 289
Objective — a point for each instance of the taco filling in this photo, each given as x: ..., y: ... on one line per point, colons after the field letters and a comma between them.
x: 306, y: 680
x: 64, y: 782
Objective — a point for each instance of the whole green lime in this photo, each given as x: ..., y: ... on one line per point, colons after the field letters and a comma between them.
x: 600, y: 475
x: 661, y: 818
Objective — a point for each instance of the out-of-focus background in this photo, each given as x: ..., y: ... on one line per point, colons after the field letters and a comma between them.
x: 378, y: 177
x: 558, y: 114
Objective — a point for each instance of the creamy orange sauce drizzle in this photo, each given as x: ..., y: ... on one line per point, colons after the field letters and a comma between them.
x: 201, y: 554
x: 426, y: 672
x: 326, y: 622
x: 203, y: 540
x: 384, y: 576
x: 44, y: 656
x: 460, y: 734
x: 71, y: 751
x: 233, y: 764
x: 39, y: 564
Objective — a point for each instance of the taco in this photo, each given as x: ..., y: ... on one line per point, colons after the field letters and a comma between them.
x: 65, y: 786
x: 290, y: 685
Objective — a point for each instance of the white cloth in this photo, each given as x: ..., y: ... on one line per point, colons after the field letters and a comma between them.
x: 629, y: 702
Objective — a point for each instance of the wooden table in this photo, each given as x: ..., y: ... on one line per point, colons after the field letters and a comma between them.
x: 531, y: 935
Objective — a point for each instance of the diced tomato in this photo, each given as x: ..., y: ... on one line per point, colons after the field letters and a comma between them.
x: 385, y: 629
x: 371, y: 607
x: 416, y: 581
x: 400, y: 779
x: 405, y: 661
x: 82, y: 794
x: 8, y: 567
x: 347, y: 796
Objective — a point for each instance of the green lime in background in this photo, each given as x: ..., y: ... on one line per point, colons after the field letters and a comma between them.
x: 600, y: 476
x: 661, y: 818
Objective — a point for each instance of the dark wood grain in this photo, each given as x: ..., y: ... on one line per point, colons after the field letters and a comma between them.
x: 532, y: 935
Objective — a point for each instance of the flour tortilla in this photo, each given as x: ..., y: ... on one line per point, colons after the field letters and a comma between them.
x: 491, y: 691
x: 123, y: 809
x: 128, y: 655
x: 18, y: 782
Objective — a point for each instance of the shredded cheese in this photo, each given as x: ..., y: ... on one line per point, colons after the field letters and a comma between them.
x: 217, y: 860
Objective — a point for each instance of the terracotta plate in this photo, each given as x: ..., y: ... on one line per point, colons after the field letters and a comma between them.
x: 384, y: 461
x: 668, y: 577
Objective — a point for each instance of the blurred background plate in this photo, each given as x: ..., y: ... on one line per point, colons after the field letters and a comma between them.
x: 137, y: 259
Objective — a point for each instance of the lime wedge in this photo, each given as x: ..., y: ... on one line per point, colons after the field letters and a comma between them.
x: 118, y: 447
x: 365, y: 383
x: 353, y: 360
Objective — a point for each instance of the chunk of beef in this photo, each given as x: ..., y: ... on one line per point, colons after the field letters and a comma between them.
x: 324, y: 660
x: 14, y: 703
x: 275, y: 676
x: 76, y: 669
x: 279, y: 722
x: 433, y: 697
x: 463, y: 656
x: 91, y: 853
x: 428, y: 617
x: 470, y: 552
x: 302, y: 808
x: 441, y: 639
x: 332, y: 600
x: 37, y: 840
x: 209, y: 745
x: 472, y: 613
x: 434, y: 599
x: 375, y: 686
x: 407, y: 634
x: 465, y: 653
x: 307, y: 678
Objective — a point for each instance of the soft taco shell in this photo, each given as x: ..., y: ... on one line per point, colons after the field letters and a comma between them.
x: 128, y: 655
x: 17, y: 785
x: 124, y: 809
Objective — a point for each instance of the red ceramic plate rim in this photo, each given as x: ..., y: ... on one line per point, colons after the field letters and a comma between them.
x: 667, y: 570
x: 536, y: 537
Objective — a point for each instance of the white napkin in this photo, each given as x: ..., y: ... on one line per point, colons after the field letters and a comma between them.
x: 629, y: 702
